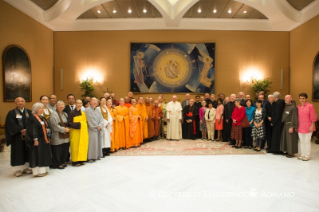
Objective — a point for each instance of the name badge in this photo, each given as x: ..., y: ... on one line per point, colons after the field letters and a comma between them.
x: 18, y: 116
x: 287, y: 112
x: 42, y: 122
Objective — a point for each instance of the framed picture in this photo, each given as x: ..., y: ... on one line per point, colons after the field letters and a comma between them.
x: 16, y: 74
x: 172, y: 67
x: 315, y: 88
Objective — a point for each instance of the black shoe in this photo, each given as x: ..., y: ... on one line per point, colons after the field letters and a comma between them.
x: 238, y: 147
x: 234, y: 146
x: 249, y: 147
x: 245, y: 147
x: 268, y: 151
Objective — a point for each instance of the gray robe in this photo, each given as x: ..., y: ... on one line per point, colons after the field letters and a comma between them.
x: 94, y: 119
x: 289, y: 141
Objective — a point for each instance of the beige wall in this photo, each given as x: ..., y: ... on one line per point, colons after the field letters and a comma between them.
x: 19, y: 29
x: 304, y: 46
x: 109, y: 53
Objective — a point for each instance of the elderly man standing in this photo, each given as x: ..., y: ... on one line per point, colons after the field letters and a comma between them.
x: 143, y: 115
x: 174, y: 119
x: 228, y: 111
x: 150, y: 122
x: 15, y: 130
x: 52, y: 102
x: 276, y: 123
x: 95, y: 125
x: 157, y: 111
x: 213, y: 101
x: 186, y: 101
x: 189, y: 124
x: 269, y: 106
x: 289, y: 136
x: 241, y: 96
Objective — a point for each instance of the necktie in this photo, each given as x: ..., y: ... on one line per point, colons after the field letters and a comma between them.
x: 208, y: 114
x: 71, y: 107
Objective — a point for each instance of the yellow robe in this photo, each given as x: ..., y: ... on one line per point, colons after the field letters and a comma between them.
x: 122, y: 128
x: 136, y: 131
x: 79, y: 139
x: 114, y: 146
x: 142, y: 109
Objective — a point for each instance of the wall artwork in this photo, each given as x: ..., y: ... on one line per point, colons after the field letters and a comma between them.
x: 315, y: 94
x: 172, y: 67
x: 16, y: 74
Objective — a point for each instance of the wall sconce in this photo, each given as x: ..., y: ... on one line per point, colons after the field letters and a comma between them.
x: 93, y: 73
x: 251, y: 74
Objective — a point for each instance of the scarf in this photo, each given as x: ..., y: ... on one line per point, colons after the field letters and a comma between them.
x: 43, y: 128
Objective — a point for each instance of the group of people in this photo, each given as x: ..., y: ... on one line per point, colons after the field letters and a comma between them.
x: 52, y: 132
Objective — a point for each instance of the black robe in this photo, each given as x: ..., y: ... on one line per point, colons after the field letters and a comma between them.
x: 269, y: 111
x: 19, y: 150
x: 228, y: 111
x: 277, y: 126
x: 197, y: 106
x: 40, y: 156
x: 188, y: 128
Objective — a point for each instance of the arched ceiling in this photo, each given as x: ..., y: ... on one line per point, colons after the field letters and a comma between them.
x: 258, y: 15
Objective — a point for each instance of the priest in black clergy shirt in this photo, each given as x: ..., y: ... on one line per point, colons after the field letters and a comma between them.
x: 15, y: 130
x: 71, y: 106
x: 228, y: 111
x: 189, y: 124
x: 276, y: 123
x: 197, y: 106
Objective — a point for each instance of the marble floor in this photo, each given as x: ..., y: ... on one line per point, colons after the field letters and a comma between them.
x: 240, y: 183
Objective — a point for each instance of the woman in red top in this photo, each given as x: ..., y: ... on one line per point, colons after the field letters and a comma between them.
x: 237, y: 116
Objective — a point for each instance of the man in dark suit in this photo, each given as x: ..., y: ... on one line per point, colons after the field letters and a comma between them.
x: 71, y: 106
x: 276, y: 124
x: 228, y: 111
x: 241, y: 96
x: 269, y: 106
x: 213, y: 101
x: 207, y: 99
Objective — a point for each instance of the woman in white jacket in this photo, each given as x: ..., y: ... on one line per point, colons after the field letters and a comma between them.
x: 108, y: 121
x: 210, y: 115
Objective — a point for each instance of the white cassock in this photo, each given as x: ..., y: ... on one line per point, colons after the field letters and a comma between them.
x: 174, y: 126
x: 106, y: 131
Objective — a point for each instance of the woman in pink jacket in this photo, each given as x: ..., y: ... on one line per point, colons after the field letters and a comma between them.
x: 306, y: 125
x: 236, y: 130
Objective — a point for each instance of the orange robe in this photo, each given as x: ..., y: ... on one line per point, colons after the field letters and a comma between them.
x: 114, y: 146
x: 157, y: 120
x: 122, y: 126
x: 128, y: 105
x: 143, y: 114
x: 150, y: 122
x: 136, y: 131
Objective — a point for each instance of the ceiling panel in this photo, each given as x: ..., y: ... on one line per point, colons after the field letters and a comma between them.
x: 244, y: 12
x: 44, y: 4
x: 113, y: 6
x: 100, y: 12
x: 257, y: 15
x: 216, y: 8
x: 127, y: 5
x: 300, y: 4
x: 87, y: 14
x: 203, y: 6
x: 232, y: 6
x: 156, y: 13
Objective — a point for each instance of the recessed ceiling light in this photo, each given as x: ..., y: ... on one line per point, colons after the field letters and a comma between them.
x: 144, y: 11
x: 129, y: 11
x: 214, y: 11
x: 229, y: 11
x: 114, y: 11
x: 199, y: 10
x: 245, y: 11
x: 99, y: 11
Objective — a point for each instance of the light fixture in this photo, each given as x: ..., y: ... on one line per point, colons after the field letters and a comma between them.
x: 199, y: 10
x: 229, y: 11
x: 144, y: 11
x: 214, y: 11
x: 129, y: 11
x: 245, y: 11
x: 98, y: 11
x: 114, y: 11
x: 172, y: 2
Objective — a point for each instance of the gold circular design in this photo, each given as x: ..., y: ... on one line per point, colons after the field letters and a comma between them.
x: 179, y: 64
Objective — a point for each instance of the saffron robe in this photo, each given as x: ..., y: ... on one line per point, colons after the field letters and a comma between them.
x: 143, y: 117
x: 122, y: 126
x: 136, y: 131
x: 174, y: 126
x: 128, y: 105
x: 79, y: 137
x: 157, y: 119
x: 150, y: 122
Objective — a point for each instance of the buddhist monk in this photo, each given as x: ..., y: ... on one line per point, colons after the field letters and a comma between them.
x: 127, y: 102
x: 141, y: 106
x: 122, y: 125
x: 157, y: 119
x: 150, y: 123
x: 136, y: 131
x: 114, y: 145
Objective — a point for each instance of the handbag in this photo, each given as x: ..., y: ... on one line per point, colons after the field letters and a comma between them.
x: 63, y: 124
x: 245, y: 122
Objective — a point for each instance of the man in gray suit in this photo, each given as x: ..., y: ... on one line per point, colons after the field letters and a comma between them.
x: 186, y: 101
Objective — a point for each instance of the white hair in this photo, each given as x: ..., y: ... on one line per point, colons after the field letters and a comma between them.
x: 36, y: 106
x: 204, y: 101
x: 241, y: 93
x: 59, y: 102
x: 174, y: 96
x: 270, y: 95
x: 276, y: 94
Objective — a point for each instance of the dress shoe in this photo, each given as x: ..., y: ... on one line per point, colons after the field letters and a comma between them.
x: 18, y: 173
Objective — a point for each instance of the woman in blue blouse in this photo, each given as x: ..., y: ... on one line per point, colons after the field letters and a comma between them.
x: 247, y: 131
